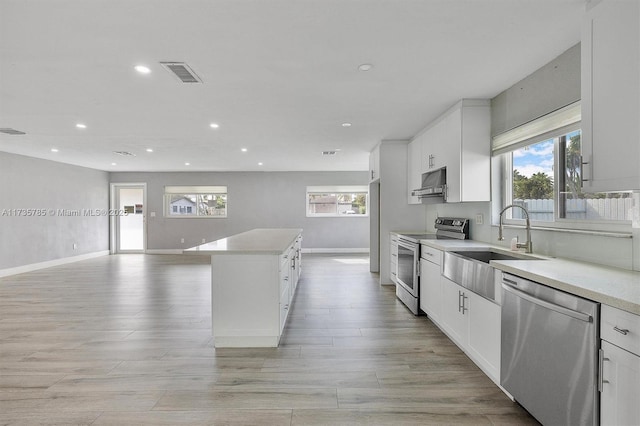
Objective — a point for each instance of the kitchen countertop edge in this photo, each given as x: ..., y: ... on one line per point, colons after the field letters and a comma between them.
x: 255, y: 241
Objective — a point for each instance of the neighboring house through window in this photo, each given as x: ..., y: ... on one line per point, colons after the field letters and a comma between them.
x: 195, y: 201
x: 337, y: 201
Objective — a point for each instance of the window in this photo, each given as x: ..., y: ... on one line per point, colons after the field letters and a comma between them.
x: 195, y: 201
x: 542, y: 171
x: 341, y: 201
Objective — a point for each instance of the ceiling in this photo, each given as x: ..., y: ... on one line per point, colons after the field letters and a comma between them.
x: 279, y: 77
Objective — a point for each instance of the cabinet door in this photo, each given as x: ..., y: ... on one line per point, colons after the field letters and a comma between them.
x: 611, y: 96
x: 374, y: 164
x: 414, y: 173
x: 430, y: 290
x: 454, y: 314
x: 484, y: 335
x: 620, y: 387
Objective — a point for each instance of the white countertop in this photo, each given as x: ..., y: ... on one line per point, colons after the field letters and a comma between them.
x: 615, y: 287
x: 256, y: 241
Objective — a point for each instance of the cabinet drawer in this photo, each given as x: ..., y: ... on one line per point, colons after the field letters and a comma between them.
x: 431, y: 254
x: 621, y: 328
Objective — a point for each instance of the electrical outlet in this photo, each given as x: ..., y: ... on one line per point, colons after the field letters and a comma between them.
x: 182, y: 240
x: 479, y: 219
x: 153, y: 214
x: 204, y: 241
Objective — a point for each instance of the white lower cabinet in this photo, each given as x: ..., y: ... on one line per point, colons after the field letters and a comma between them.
x: 430, y: 286
x: 484, y: 334
x: 455, y: 319
x: 620, y: 363
x: 473, y: 323
x: 393, y: 257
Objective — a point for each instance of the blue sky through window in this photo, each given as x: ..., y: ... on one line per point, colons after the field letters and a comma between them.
x: 534, y: 158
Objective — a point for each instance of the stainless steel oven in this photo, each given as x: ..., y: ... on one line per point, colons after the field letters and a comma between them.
x: 408, y: 270
x: 408, y: 262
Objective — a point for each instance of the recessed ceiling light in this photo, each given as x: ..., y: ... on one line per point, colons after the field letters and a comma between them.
x: 142, y: 69
x: 244, y: 150
x: 54, y: 149
x: 259, y: 164
x: 187, y: 164
x: 346, y: 124
x: 113, y: 164
x: 149, y: 150
x: 214, y: 125
x: 365, y: 67
x: 81, y: 126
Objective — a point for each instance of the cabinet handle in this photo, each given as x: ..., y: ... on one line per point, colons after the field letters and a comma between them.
x: 286, y: 307
x: 464, y: 308
x: 508, y: 281
x: 371, y: 174
x: 624, y: 331
x: 286, y: 278
x: 429, y: 254
x: 601, y: 360
x: 582, y: 179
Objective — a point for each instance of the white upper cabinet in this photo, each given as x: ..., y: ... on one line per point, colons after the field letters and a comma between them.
x: 374, y: 164
x: 611, y: 96
x: 459, y: 140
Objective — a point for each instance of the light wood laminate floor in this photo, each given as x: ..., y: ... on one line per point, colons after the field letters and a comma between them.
x: 125, y: 340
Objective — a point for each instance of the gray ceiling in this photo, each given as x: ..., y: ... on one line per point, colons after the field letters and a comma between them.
x: 279, y: 76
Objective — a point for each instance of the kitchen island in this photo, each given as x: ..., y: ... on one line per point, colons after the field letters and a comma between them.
x: 253, y: 280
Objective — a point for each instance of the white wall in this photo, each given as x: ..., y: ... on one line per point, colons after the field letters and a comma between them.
x: 31, y: 183
x: 255, y: 200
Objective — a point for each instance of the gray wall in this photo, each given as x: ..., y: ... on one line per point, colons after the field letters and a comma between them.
x: 549, y: 88
x: 255, y: 200
x: 31, y: 183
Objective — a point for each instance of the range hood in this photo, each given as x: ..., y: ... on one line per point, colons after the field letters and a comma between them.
x: 434, y: 187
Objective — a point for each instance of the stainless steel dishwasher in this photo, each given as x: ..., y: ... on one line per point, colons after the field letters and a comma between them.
x: 549, y: 352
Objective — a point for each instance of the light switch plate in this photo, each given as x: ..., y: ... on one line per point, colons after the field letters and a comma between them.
x: 479, y: 219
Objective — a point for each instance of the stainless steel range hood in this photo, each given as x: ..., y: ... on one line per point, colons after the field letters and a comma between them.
x: 434, y: 187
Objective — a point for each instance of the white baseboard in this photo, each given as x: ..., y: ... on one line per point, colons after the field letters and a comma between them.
x: 336, y: 250
x: 49, y: 263
x: 163, y: 251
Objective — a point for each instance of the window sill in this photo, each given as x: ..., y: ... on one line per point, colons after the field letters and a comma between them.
x: 610, y: 234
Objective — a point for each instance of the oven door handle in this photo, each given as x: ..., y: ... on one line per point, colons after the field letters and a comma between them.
x: 552, y: 306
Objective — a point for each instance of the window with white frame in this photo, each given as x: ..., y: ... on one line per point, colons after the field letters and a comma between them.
x: 541, y: 170
x: 337, y: 201
x: 195, y: 201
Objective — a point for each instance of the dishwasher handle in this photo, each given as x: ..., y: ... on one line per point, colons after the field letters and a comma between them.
x: 552, y: 306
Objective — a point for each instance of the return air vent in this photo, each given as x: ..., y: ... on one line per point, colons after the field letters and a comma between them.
x: 10, y: 131
x: 182, y: 71
x: 124, y: 153
x: 329, y: 153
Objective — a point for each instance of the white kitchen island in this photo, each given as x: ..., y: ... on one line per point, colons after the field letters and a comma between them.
x: 253, y: 280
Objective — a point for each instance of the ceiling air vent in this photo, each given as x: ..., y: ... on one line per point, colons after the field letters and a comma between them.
x: 329, y: 152
x: 183, y: 71
x: 10, y: 131
x: 124, y: 153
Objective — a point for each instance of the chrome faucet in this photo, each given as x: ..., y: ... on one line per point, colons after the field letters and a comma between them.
x: 527, y: 244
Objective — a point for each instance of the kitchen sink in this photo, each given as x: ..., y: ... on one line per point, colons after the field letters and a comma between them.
x: 487, y: 256
x: 471, y: 269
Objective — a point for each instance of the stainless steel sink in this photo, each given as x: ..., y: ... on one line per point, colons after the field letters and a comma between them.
x: 471, y: 269
x: 488, y: 255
